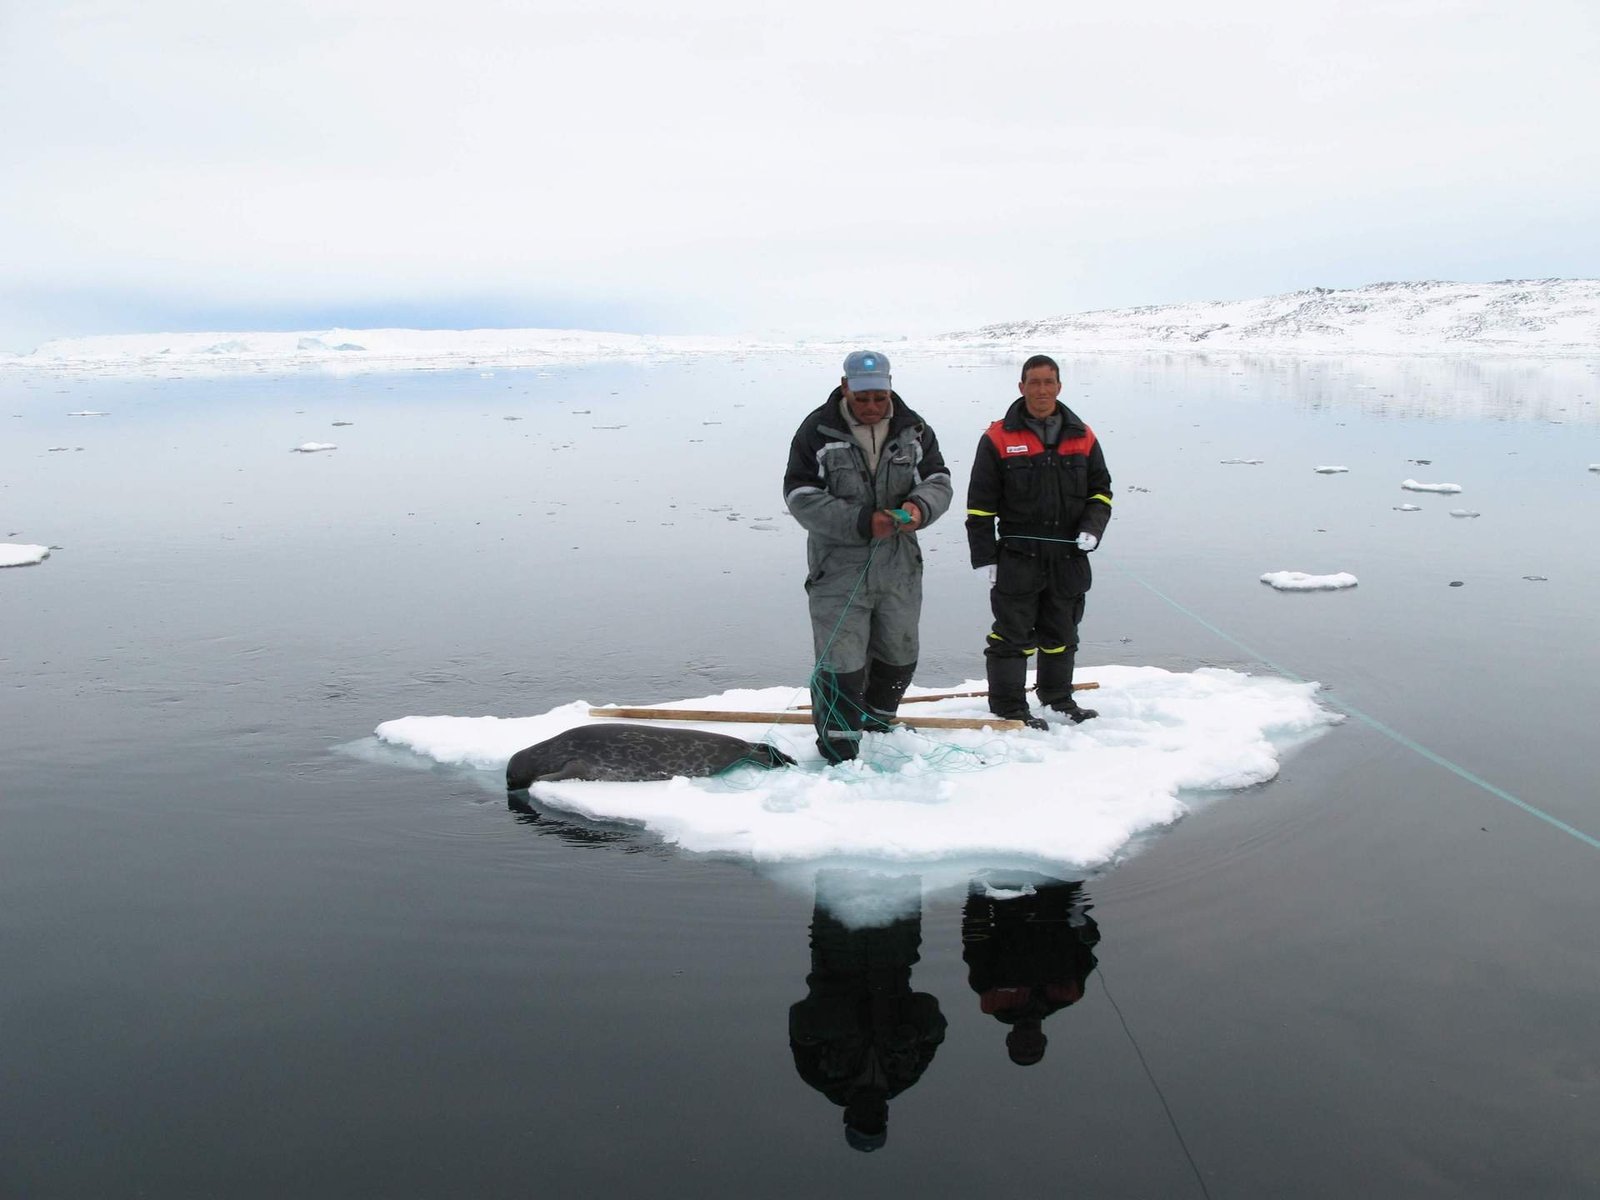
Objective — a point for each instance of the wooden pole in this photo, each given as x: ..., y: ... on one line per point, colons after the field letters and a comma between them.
x: 1077, y: 687
x: 789, y: 718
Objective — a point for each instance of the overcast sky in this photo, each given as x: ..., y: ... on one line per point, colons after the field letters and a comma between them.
x: 820, y: 168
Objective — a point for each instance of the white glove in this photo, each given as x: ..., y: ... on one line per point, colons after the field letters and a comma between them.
x: 1087, y: 542
x: 986, y: 572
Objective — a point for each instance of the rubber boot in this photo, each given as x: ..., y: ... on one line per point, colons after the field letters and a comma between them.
x: 886, y: 684
x: 1008, y: 683
x: 1055, y: 686
x: 836, y: 706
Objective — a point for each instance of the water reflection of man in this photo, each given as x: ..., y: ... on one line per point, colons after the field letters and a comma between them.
x: 862, y: 1036
x: 1028, y: 954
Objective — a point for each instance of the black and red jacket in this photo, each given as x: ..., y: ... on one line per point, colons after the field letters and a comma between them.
x: 1033, y: 490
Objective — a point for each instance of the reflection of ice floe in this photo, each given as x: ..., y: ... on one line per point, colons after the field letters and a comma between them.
x: 1299, y: 581
x: 22, y: 554
x: 1076, y: 795
x: 1411, y: 485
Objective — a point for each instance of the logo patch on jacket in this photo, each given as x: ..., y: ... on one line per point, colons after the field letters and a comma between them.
x: 1016, y: 449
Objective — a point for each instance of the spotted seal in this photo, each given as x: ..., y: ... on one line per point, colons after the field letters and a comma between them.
x: 632, y: 753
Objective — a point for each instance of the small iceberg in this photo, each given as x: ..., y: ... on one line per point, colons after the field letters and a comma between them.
x: 1299, y: 581
x: 21, y: 554
x: 1411, y: 485
x: 313, y: 447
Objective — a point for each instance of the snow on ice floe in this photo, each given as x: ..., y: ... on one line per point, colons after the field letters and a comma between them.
x: 1070, y: 795
x: 1299, y: 581
x: 1411, y: 485
x: 1331, y: 470
x: 21, y: 554
x: 314, y: 447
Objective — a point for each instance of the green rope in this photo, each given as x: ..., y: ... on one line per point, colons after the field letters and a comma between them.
x: 1394, y: 735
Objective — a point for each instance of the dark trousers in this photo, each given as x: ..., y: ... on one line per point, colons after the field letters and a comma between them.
x: 1037, y: 600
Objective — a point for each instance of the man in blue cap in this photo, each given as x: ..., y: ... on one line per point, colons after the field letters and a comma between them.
x: 865, y: 473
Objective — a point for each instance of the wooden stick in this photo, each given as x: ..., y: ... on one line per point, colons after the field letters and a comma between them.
x: 789, y: 718
x: 1077, y: 687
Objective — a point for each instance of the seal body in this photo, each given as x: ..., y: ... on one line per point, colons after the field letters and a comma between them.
x: 634, y: 753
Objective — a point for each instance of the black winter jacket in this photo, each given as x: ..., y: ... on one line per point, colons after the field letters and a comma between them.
x: 1033, y: 490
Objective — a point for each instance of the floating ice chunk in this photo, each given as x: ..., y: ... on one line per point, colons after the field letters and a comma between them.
x: 1241, y: 462
x: 88, y: 413
x: 313, y: 447
x: 1594, y: 466
x: 1299, y: 581
x: 1411, y: 485
x: 964, y: 795
x: 1331, y: 470
x: 1537, y: 578
x: 1408, y: 508
x: 21, y: 554
x: 1464, y: 512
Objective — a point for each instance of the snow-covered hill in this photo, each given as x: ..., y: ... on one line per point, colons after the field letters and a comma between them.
x: 355, y: 350
x: 1540, y: 317
x: 1546, y: 318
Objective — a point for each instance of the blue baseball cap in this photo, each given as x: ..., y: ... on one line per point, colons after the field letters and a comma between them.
x: 866, y: 371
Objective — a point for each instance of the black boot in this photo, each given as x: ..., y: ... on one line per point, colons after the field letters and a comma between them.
x: 886, y: 684
x: 1055, y: 686
x: 1008, y: 683
x: 836, y: 708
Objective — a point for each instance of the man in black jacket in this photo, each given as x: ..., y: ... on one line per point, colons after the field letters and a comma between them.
x: 865, y: 473
x: 1040, y: 473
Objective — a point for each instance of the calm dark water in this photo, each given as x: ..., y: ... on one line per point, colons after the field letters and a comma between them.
x: 242, y: 959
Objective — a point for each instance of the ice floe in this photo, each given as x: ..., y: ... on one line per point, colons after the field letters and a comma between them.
x: 1074, y: 794
x: 21, y: 554
x: 1411, y: 485
x: 1300, y: 581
